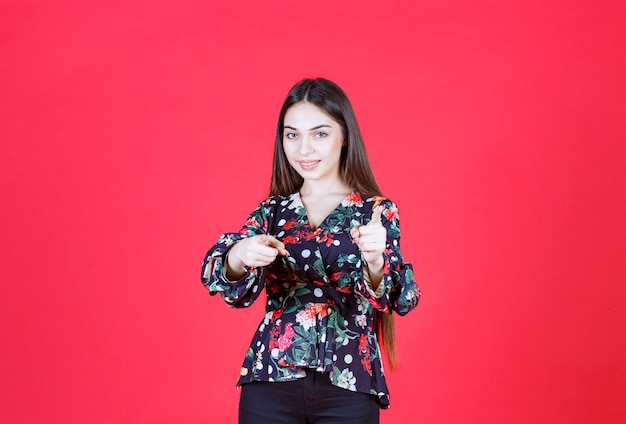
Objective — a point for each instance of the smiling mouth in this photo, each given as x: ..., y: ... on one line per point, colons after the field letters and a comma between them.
x: 308, y: 164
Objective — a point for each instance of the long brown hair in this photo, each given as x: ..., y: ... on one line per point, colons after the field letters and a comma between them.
x: 354, y: 168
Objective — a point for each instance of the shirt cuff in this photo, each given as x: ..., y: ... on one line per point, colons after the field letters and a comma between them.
x: 224, y: 267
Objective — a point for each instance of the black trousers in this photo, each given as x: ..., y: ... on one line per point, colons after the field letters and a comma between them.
x: 310, y: 400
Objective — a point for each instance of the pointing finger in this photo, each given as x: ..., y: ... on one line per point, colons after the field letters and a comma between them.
x: 277, y: 244
x: 376, y: 213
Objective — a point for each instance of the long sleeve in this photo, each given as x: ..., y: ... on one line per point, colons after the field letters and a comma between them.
x: 243, y: 292
x: 397, y: 290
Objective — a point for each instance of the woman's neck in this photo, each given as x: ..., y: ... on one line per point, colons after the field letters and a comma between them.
x: 324, y: 188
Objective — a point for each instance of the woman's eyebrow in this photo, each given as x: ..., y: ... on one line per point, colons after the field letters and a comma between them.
x: 319, y: 126
x: 287, y: 127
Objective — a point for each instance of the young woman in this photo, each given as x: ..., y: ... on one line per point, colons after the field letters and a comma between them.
x: 325, y: 247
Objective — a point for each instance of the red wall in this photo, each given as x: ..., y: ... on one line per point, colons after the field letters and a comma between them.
x: 134, y: 133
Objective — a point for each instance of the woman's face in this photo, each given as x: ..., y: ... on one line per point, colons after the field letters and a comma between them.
x: 312, y: 141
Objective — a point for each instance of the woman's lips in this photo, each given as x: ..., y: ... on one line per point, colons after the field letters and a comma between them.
x: 308, y: 165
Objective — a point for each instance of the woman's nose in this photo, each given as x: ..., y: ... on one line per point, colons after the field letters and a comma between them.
x: 306, y: 146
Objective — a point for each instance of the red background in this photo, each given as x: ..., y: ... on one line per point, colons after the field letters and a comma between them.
x: 134, y: 133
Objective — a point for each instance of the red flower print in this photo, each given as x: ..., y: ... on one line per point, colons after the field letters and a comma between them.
x: 335, y: 276
x: 311, y: 312
x: 274, y: 334
x: 277, y: 314
x: 353, y: 199
x: 366, y: 361
x: 391, y: 214
x: 306, y: 317
x: 363, y: 345
x: 306, y: 235
x: 290, y: 224
x: 321, y: 309
x: 273, y: 288
x: 376, y: 305
x: 327, y: 237
x: 364, y: 352
x: 284, y: 341
x: 283, y: 364
x: 290, y: 240
x: 252, y: 223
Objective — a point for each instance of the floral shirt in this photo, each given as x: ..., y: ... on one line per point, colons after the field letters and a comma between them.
x: 319, y: 307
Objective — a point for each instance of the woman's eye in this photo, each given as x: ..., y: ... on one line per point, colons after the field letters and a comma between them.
x: 321, y: 134
x: 290, y: 136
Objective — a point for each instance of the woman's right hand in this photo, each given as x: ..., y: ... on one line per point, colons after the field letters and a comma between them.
x: 255, y: 251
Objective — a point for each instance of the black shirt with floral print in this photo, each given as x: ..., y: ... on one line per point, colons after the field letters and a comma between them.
x: 319, y: 306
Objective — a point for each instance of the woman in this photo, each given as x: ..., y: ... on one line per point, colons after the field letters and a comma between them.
x: 325, y: 247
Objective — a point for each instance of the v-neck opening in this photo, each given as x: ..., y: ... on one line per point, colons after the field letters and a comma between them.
x: 321, y: 224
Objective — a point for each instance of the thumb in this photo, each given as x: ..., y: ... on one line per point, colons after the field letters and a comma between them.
x: 354, y: 232
x: 376, y: 213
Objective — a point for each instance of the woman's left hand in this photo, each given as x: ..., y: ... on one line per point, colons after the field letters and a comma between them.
x: 372, y: 240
